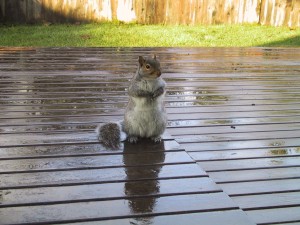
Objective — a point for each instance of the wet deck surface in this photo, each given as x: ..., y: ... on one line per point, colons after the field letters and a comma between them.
x: 231, y: 154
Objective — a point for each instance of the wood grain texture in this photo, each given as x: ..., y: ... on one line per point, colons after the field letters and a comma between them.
x: 230, y: 153
x: 93, y: 210
x: 231, y: 217
x: 277, y: 13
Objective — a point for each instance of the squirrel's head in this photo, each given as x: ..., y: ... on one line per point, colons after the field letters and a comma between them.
x: 149, y: 68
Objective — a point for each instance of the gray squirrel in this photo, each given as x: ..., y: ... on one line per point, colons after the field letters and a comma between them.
x: 145, y: 115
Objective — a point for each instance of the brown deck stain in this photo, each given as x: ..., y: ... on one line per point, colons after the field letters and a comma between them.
x: 230, y: 154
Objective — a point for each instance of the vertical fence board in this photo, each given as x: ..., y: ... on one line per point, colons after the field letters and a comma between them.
x: 280, y: 12
x: 250, y: 13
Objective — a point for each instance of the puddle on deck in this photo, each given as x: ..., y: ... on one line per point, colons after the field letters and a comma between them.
x: 84, y: 82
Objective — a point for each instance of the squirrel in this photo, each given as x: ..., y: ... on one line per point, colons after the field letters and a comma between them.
x: 145, y: 115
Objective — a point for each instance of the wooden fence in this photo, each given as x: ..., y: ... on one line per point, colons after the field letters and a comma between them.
x: 265, y: 12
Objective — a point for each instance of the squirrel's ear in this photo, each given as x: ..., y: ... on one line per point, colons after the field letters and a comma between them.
x: 154, y: 56
x: 141, y: 60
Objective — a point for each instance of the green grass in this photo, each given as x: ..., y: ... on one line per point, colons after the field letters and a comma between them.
x: 134, y: 35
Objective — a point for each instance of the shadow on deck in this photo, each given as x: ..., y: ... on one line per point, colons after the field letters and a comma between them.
x: 231, y: 154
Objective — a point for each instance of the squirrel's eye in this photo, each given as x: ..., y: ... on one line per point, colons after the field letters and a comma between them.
x: 147, y: 66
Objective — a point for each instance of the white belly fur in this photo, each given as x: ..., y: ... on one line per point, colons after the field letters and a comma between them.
x: 148, y: 118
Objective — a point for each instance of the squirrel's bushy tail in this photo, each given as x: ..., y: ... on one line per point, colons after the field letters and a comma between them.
x: 110, y: 134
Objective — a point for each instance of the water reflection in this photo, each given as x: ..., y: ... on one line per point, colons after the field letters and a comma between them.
x: 152, y: 186
x: 196, y: 95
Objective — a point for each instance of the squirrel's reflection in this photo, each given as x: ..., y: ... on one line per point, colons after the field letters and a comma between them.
x: 136, y: 186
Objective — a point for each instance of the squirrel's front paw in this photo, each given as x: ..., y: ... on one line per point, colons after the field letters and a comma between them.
x: 158, y: 92
x: 156, y: 139
x: 132, y: 139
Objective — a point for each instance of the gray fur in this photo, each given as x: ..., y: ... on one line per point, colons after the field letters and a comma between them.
x: 145, y: 115
x: 110, y: 134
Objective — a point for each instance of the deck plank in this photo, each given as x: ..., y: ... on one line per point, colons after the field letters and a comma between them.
x: 106, y: 191
x: 243, y: 154
x: 95, y: 176
x: 230, y: 217
x: 269, y: 200
x: 256, y: 174
x: 94, y: 162
x: 80, y: 150
x: 230, y: 154
x: 261, y: 187
x: 92, y: 210
x: 275, y: 215
x: 246, y: 164
x: 266, y: 143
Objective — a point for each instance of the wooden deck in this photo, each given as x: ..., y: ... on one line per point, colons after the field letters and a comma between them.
x: 230, y: 156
